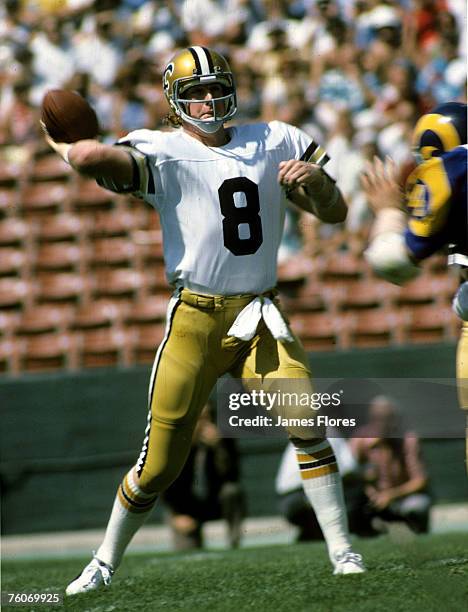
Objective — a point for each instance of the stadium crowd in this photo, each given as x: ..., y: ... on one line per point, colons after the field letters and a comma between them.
x: 354, y: 74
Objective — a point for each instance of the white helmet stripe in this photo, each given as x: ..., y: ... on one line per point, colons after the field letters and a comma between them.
x: 202, y: 57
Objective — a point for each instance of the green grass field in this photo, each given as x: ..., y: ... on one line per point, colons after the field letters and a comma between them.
x: 429, y: 573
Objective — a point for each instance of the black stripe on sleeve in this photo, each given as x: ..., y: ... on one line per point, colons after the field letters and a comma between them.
x: 151, y: 185
x: 309, y: 151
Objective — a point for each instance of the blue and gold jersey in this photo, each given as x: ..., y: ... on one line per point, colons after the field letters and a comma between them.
x: 438, y: 206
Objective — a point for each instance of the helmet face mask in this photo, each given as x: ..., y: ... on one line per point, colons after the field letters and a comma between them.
x: 439, y: 131
x: 199, y: 66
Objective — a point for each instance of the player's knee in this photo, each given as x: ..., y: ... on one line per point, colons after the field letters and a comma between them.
x: 153, y: 480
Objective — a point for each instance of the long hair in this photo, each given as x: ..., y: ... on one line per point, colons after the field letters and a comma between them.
x: 172, y: 120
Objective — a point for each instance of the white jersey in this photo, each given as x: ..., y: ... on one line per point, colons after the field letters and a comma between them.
x: 221, y: 208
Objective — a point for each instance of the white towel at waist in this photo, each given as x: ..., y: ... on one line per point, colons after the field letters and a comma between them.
x: 245, y: 325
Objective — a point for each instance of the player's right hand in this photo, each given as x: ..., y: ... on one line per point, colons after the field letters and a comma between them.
x: 62, y: 148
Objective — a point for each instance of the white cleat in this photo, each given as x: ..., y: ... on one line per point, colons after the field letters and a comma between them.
x: 95, y: 575
x: 348, y: 562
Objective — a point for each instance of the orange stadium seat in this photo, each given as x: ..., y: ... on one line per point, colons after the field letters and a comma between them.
x: 42, y: 319
x: 321, y: 331
x: 137, y: 205
x: 14, y: 232
x: 147, y: 320
x: 421, y: 290
x: 46, y: 345
x: 104, y: 347
x: 43, y: 197
x: 377, y: 327
x: 8, y: 323
x: 9, y: 199
x: 115, y: 223
x: 62, y: 287
x: 311, y: 296
x: 365, y: 294
x: 146, y: 342
x: 341, y: 266
x: 294, y: 302
x: 10, y: 172
x: 149, y: 245
x: 97, y: 314
x: 149, y: 309
x: 432, y: 323
x: 155, y: 279
x: 62, y: 256
x: 63, y: 226
x: 13, y: 262
x: 50, y: 167
x: 296, y: 268
x: 445, y: 286
x: 15, y: 293
x: 112, y: 252
x: 48, y: 352
x: 118, y: 283
x: 88, y: 195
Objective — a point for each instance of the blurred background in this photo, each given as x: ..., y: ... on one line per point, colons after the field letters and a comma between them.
x: 82, y: 286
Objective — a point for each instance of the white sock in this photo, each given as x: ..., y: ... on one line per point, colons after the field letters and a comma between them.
x: 322, y: 485
x: 132, y: 506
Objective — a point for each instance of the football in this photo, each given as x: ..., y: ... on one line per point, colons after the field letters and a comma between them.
x: 67, y: 116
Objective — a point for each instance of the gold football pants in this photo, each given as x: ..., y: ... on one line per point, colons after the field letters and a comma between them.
x: 195, y: 352
x: 462, y: 376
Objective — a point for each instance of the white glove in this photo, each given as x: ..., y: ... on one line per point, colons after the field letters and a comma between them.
x: 460, y: 302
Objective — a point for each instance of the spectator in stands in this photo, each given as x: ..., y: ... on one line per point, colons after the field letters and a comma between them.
x: 129, y: 109
x: 53, y: 62
x: 433, y: 81
x: 12, y: 26
x: 364, y: 148
x: 425, y: 21
x: 202, y: 21
x: 264, y: 35
x: 18, y: 122
x: 208, y: 488
x: 349, y: 150
x: 395, y: 477
x: 97, y: 39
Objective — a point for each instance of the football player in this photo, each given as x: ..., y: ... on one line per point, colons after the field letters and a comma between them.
x: 221, y: 194
x: 433, y: 213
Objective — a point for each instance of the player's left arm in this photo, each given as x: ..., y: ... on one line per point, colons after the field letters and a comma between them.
x: 311, y: 189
